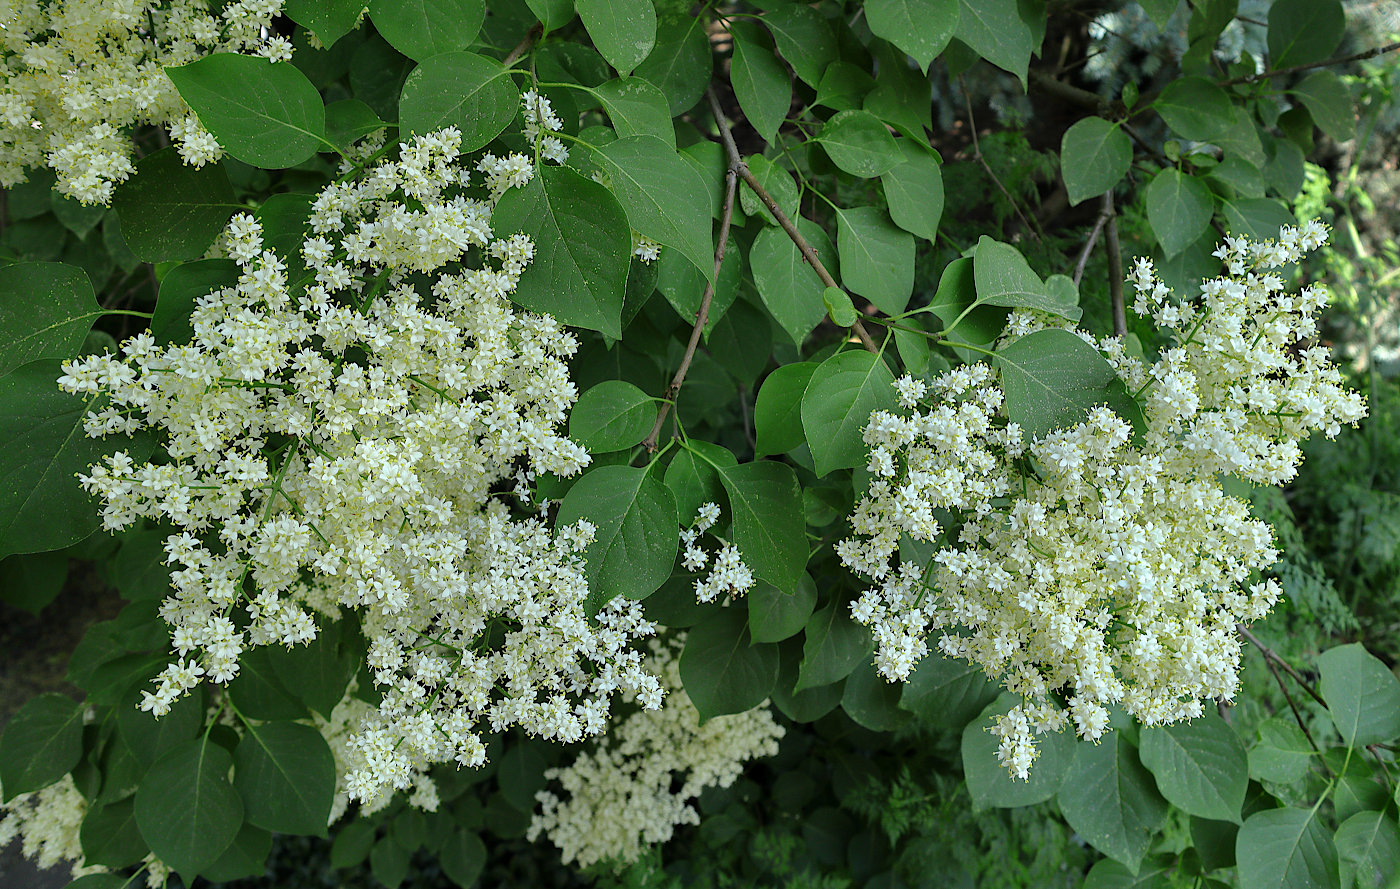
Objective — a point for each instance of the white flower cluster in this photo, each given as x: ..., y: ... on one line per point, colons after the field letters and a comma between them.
x: 46, y: 822
x: 349, y: 439
x: 637, y: 785
x: 79, y: 74
x: 1089, y: 568
x: 729, y: 576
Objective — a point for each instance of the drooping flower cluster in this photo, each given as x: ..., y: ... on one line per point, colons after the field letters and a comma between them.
x: 638, y: 784
x: 348, y: 438
x: 1089, y: 567
x: 79, y: 74
x: 729, y: 577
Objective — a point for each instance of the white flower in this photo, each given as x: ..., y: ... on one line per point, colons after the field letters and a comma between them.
x: 1110, y: 564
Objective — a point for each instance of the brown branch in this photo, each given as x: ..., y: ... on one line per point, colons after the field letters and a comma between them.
x: 1089, y: 246
x: 1034, y: 228
x: 1272, y: 655
x: 1293, y: 69
x: 1071, y: 94
x: 524, y: 45
x: 1297, y: 715
x: 701, y: 316
x: 736, y: 164
x: 1115, y: 268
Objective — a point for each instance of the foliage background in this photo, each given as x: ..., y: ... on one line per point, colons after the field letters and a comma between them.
x: 877, y: 790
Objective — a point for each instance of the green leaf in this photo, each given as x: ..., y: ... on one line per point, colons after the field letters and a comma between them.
x: 110, y: 837
x: 582, y: 248
x: 1362, y: 695
x: 761, y: 83
x: 42, y: 506
x: 1329, y: 102
x: 1282, y: 754
x: 946, y: 694
x: 463, y: 858
x: 1304, y: 31
x: 903, y: 96
x: 684, y: 287
x: 694, y: 479
x: 787, y: 284
x: 777, y: 413
x: 636, y: 537
x: 1259, y: 218
x: 1004, y: 278
x: 553, y: 14
x: 149, y: 737
x: 42, y: 742
x: 169, y: 210
x: 779, y: 185
x: 47, y: 311
x: 1286, y: 849
x: 914, y: 191
x: 872, y: 701
x: 1052, y: 379
x: 286, y: 775
x: 877, y: 257
x: 921, y: 28
x: 78, y: 218
x: 351, y: 845
x: 955, y: 304
x: 245, y: 857
x: 839, y: 307
x: 837, y: 404
x: 660, y: 190
x: 1200, y: 766
x: 859, y: 143
x: 350, y: 120
x: 832, y: 647
x: 186, y: 808
x: 990, y: 784
x: 804, y: 38
x: 1094, y: 157
x: 423, y: 28
x: 624, y: 31
x: 722, y: 670
x: 766, y: 504
x: 329, y: 20
x: 33, y: 580
x: 682, y: 63
x: 264, y: 113
x: 389, y: 861
x: 995, y: 30
x: 1110, y: 800
x: 1159, y: 11
x: 775, y: 615
x: 610, y: 416
x: 1110, y: 874
x: 1195, y: 108
x: 636, y: 108
x: 1368, y: 844
x: 180, y: 289
x: 1179, y: 207
x: 844, y: 86
x: 462, y: 89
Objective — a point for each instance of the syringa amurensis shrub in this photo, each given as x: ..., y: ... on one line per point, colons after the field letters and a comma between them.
x: 435, y: 487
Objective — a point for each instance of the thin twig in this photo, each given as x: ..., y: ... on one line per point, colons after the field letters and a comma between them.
x: 1115, y: 268
x: 524, y: 45
x: 701, y: 316
x: 1089, y: 246
x: 1034, y: 228
x: 1293, y: 69
x: 1272, y: 655
x: 1297, y: 715
x: 736, y: 163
